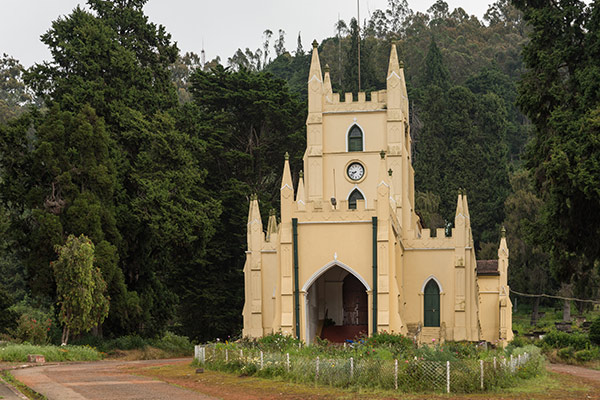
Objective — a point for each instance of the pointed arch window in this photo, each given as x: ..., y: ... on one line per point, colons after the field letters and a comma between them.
x: 354, y: 196
x: 355, y: 139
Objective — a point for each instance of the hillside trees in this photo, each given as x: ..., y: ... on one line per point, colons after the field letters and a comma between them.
x: 248, y: 121
x: 560, y: 93
x: 461, y: 130
x: 108, y: 162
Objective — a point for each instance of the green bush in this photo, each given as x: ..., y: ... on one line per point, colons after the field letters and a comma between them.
x: 32, y: 329
x: 278, y: 341
x: 18, y: 353
x: 566, y: 353
x: 174, y: 344
x: 587, y: 355
x: 595, y: 331
x: 558, y: 340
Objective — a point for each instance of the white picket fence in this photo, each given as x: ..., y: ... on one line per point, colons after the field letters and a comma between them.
x: 414, y: 374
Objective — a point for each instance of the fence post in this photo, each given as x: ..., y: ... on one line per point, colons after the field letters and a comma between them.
x: 317, y: 371
x: 481, y: 367
x: 241, y: 354
x: 196, y: 352
x: 351, y: 368
x: 288, y: 362
x: 226, y: 355
x: 512, y: 366
x: 519, y: 360
x: 261, y: 360
x: 495, y: 363
x: 447, y: 376
x: 396, y: 374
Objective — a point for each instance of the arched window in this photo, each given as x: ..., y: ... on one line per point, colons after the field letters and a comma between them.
x: 432, y: 304
x: 355, y: 195
x: 355, y: 139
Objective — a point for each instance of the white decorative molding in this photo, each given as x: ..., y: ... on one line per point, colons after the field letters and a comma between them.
x: 394, y: 74
x: 436, y: 281
x: 334, y: 263
x: 361, y: 192
x: 363, y: 135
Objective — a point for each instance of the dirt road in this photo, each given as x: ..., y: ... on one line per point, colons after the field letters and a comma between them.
x: 101, y: 380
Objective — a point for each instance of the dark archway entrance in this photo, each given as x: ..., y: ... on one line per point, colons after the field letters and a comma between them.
x: 337, y: 306
x: 432, y: 304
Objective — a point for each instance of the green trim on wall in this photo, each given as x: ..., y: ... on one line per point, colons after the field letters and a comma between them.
x: 374, y: 275
x: 296, y: 284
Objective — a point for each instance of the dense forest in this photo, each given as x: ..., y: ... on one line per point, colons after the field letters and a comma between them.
x: 153, y: 154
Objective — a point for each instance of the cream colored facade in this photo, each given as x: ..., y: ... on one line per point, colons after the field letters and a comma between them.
x: 299, y: 272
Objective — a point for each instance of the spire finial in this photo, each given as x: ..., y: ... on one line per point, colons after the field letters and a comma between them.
x: 301, y: 174
x: 326, y: 69
x: 315, y: 44
x: 287, y: 155
x: 382, y: 154
x: 271, y: 212
x: 390, y: 172
x: 503, y: 232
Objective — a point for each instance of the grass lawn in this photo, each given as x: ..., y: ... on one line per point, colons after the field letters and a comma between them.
x: 230, y: 386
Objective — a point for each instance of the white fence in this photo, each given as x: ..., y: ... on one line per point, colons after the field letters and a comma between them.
x: 408, y: 375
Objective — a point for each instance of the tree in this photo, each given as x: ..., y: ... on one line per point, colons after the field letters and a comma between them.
x: 248, y: 121
x: 279, y: 45
x: 150, y: 215
x: 80, y: 287
x: 560, y: 93
x: 14, y: 94
x: 460, y: 130
x: 529, y: 263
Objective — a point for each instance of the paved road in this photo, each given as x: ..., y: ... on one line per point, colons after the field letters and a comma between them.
x: 101, y: 380
x: 7, y: 394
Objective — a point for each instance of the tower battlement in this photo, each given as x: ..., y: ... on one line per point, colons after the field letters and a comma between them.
x: 377, y: 102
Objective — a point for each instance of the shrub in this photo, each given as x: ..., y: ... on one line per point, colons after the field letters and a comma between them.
x: 558, y: 340
x: 33, y: 330
x: 595, y: 331
x: 128, y: 343
x: 566, y: 353
x: 174, y: 344
x: 18, y: 353
x: 586, y: 355
x: 278, y: 341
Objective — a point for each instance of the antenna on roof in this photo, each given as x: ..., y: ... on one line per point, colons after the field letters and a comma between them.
x: 202, y: 56
x: 358, y: 25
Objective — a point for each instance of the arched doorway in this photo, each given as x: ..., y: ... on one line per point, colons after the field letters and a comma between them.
x: 431, y: 304
x: 336, y: 305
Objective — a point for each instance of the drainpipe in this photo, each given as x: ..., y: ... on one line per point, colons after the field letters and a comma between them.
x: 374, y: 275
x: 296, y: 288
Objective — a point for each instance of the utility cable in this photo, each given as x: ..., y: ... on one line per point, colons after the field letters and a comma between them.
x: 554, y: 297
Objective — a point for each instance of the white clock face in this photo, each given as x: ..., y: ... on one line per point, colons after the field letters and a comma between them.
x: 356, y: 171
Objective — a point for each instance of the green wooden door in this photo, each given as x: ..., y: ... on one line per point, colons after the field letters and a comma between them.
x: 432, y: 304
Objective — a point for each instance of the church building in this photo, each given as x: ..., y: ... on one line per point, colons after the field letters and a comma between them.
x: 349, y: 254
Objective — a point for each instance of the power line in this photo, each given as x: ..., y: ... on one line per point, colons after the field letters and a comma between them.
x: 554, y: 297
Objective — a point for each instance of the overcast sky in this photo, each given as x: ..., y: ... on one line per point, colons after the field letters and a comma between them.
x: 223, y: 26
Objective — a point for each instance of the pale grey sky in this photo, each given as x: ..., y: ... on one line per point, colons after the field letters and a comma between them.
x: 223, y: 26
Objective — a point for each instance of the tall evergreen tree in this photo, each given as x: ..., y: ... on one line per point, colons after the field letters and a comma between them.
x: 140, y: 199
x: 560, y: 93
x: 248, y: 121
